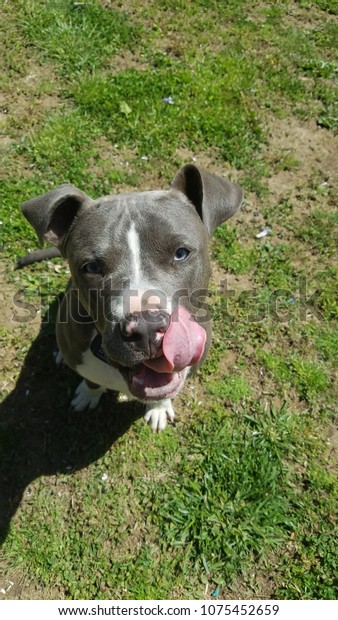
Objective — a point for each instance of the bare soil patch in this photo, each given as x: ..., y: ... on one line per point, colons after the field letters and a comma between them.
x: 314, y: 148
x: 309, y: 18
x: 35, y: 94
x: 14, y: 586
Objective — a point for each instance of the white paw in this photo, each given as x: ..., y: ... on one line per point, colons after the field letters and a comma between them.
x: 157, y: 413
x: 58, y: 357
x: 86, y: 396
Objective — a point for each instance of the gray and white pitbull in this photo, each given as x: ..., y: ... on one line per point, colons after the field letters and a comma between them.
x: 134, y: 317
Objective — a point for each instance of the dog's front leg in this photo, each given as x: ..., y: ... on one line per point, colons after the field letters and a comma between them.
x: 157, y: 413
x: 87, y: 394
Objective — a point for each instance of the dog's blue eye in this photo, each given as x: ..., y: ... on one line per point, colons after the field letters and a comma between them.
x: 182, y: 253
x: 92, y: 267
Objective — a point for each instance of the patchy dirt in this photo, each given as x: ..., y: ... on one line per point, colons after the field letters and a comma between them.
x: 298, y: 16
x: 332, y: 439
x: 35, y: 94
x: 124, y: 61
x: 314, y: 149
x: 29, y: 90
x: 258, y: 587
x: 109, y: 156
x: 14, y: 586
x: 13, y: 314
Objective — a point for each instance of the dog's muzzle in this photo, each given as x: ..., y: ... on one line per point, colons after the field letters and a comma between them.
x: 155, y: 351
x: 144, y: 331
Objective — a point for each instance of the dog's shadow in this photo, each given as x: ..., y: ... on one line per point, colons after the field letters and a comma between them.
x: 39, y: 432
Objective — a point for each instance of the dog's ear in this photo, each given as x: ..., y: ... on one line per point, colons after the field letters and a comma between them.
x: 214, y: 198
x: 52, y: 214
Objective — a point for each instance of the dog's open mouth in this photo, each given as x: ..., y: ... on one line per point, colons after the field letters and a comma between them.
x: 163, y: 376
x: 147, y: 384
x: 182, y: 346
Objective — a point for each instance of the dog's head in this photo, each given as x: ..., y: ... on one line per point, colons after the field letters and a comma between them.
x: 140, y: 266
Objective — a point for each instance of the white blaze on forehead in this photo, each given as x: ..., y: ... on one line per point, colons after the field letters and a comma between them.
x: 140, y: 294
x: 135, y: 250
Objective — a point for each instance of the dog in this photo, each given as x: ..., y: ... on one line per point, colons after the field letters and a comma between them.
x: 134, y: 317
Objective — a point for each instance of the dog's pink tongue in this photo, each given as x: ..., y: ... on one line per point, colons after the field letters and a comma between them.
x: 182, y: 344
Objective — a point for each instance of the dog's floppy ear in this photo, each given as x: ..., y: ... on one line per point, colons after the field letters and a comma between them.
x: 52, y: 214
x: 214, y: 198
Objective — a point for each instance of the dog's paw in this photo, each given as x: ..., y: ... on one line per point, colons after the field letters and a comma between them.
x: 58, y: 357
x: 86, y: 396
x: 157, y: 413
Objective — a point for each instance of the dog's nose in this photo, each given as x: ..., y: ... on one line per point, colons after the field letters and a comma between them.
x: 144, y: 330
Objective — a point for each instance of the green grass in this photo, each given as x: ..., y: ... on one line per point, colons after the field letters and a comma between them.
x: 77, y: 38
x: 215, y: 507
x: 142, y: 120
x: 62, y: 145
x: 242, y: 492
x: 231, y: 389
x: 231, y: 254
x: 319, y: 231
x: 306, y: 376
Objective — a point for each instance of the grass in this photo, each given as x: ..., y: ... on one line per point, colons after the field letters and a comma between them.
x: 76, y: 40
x: 242, y: 492
x: 57, y: 145
x: 134, y: 100
x: 309, y: 378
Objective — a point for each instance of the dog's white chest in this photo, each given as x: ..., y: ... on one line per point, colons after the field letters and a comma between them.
x: 97, y: 371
